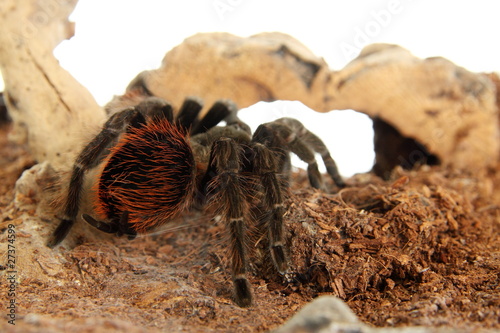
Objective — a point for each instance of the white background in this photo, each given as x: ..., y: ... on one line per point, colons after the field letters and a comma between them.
x: 117, y: 39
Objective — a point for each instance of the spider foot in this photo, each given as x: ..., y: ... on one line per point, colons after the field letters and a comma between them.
x: 339, y: 181
x: 243, y: 292
x: 279, y: 258
x: 60, y: 233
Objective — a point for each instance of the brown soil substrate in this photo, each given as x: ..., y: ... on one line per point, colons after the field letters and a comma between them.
x: 420, y: 249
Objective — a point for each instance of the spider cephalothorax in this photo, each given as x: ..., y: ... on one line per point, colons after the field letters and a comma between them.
x: 153, y: 166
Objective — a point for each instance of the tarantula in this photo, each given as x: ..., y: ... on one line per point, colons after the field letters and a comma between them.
x: 154, y: 165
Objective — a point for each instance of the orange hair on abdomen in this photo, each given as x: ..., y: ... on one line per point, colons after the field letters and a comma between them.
x: 149, y: 174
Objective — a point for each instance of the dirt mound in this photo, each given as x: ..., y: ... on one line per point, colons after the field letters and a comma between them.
x: 419, y: 249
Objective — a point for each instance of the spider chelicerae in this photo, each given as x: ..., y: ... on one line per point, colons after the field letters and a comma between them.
x: 154, y: 165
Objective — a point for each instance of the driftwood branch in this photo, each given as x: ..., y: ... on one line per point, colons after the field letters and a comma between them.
x: 448, y: 110
x: 47, y: 104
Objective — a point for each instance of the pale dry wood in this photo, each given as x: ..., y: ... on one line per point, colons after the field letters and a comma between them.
x: 50, y: 109
x: 450, y: 110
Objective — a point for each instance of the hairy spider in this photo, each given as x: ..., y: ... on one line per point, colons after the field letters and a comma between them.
x: 154, y: 165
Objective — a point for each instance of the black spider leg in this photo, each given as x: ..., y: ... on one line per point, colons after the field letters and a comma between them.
x: 313, y: 141
x: 291, y: 135
x: 155, y: 108
x: 91, y: 156
x: 217, y: 113
x: 234, y: 121
x: 265, y: 166
x: 231, y: 202
x: 119, y: 228
x: 187, y: 116
x: 223, y: 110
x: 267, y: 135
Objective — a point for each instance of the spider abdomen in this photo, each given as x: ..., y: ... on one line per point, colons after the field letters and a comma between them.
x: 149, y: 175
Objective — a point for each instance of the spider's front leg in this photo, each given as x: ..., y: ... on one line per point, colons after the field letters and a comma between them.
x: 232, y: 207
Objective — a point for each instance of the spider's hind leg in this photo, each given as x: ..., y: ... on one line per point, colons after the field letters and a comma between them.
x: 119, y: 228
x: 107, y: 227
x: 97, y: 150
x: 90, y: 157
